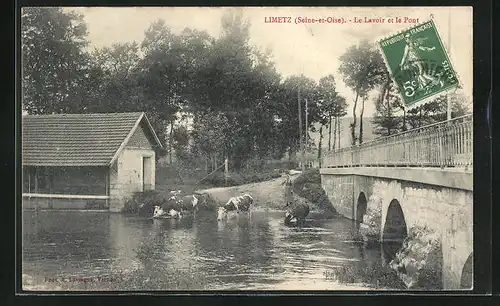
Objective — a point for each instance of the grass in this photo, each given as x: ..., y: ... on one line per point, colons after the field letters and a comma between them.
x: 377, y: 275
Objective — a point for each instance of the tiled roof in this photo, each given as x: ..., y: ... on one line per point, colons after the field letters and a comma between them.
x: 76, y: 139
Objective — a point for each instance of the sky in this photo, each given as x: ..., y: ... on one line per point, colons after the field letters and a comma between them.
x: 309, y: 49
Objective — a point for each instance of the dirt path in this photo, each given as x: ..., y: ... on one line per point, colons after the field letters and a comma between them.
x: 268, y: 194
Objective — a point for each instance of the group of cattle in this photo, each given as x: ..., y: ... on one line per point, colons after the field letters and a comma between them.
x: 178, y: 205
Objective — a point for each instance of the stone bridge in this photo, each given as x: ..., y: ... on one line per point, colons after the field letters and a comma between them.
x: 413, y: 192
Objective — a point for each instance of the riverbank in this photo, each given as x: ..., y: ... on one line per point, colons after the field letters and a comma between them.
x: 268, y: 194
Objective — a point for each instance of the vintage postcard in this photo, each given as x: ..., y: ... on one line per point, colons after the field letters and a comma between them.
x: 247, y: 148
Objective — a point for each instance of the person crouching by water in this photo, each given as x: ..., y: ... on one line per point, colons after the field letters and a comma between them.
x: 288, y: 192
x: 296, y: 213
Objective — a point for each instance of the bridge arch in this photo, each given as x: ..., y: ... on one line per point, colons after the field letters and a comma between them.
x: 360, y: 208
x: 395, y: 230
x: 466, y: 277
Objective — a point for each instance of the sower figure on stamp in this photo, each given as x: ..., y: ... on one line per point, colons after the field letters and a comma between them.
x: 412, y: 59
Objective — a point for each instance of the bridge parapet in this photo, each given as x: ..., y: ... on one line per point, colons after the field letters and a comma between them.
x: 443, y: 144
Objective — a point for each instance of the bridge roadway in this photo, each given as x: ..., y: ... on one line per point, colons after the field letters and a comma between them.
x: 417, y: 186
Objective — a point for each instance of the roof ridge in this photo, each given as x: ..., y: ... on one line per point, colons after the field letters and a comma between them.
x: 85, y: 139
x: 85, y: 114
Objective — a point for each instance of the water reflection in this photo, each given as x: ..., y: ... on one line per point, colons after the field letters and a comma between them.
x: 200, y: 253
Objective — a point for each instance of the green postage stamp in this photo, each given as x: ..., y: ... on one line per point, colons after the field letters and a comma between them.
x: 418, y: 63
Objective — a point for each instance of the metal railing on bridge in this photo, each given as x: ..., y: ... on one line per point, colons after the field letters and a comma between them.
x: 443, y: 144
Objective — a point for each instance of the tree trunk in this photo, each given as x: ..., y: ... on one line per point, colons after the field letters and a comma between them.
x: 335, y: 132
x: 384, y: 97
x: 389, y: 109
x: 361, y: 120
x: 292, y: 150
x: 404, y: 119
x: 420, y: 118
x: 320, y: 144
x: 330, y: 133
x: 353, y: 124
x: 339, y: 130
x: 171, y: 140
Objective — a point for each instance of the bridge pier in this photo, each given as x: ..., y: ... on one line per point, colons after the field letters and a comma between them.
x: 430, y: 206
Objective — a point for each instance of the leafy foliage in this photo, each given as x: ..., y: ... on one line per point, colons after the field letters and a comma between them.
x: 239, y: 106
x: 54, y: 65
x: 385, y: 121
x: 363, y: 70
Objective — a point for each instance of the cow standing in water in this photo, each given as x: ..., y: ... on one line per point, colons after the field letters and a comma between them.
x: 177, y: 206
x: 159, y: 213
x: 296, y: 212
x: 238, y: 204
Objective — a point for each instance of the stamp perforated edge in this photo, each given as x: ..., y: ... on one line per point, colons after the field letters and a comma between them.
x: 446, y: 53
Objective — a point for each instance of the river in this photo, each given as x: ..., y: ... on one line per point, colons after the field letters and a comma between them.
x: 104, y: 251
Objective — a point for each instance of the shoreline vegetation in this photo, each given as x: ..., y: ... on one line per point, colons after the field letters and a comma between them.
x: 267, y: 190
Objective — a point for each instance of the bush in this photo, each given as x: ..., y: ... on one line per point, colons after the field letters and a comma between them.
x: 376, y: 275
x: 308, y: 186
x: 130, y: 206
x: 143, y: 202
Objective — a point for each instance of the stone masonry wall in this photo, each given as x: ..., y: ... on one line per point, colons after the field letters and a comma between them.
x: 445, y: 213
x: 339, y: 190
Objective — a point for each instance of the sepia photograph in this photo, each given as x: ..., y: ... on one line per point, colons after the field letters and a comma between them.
x: 246, y: 148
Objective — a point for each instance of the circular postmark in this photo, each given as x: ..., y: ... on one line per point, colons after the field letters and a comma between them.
x: 420, y: 78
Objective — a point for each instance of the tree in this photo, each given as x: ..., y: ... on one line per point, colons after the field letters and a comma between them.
x: 328, y: 98
x: 362, y: 68
x: 332, y: 106
x: 339, y: 111
x: 159, y: 76
x: 262, y: 117
x: 241, y: 83
x: 54, y: 64
x: 119, y: 86
x: 436, y: 110
x: 181, y: 141
x: 287, y: 109
x: 193, y: 73
x: 385, y: 121
x: 209, y: 136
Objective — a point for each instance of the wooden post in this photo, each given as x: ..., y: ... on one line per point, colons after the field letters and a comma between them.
x: 300, y: 132
x: 48, y: 177
x: 306, y: 145
x: 36, y: 187
x: 441, y: 148
x: 448, y: 102
x: 28, y: 172
x: 108, y: 170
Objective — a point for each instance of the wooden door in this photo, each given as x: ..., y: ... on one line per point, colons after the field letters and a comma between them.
x: 146, y: 173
